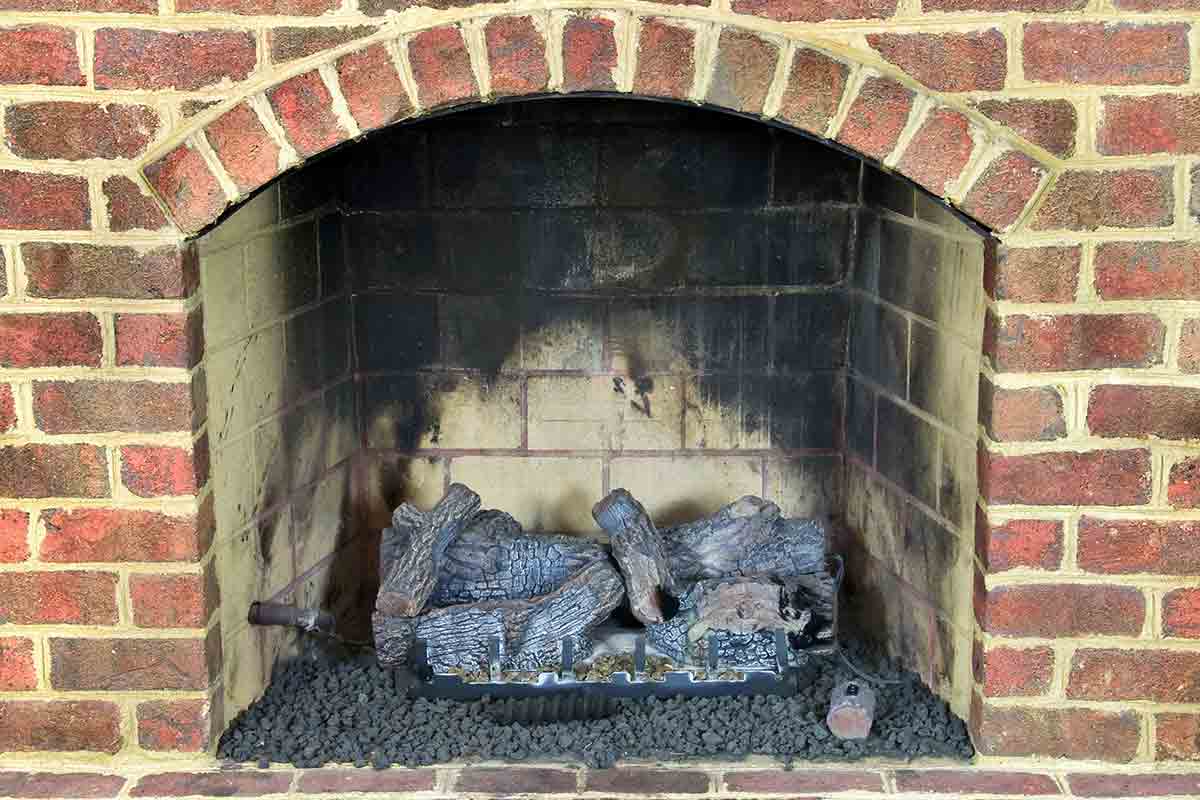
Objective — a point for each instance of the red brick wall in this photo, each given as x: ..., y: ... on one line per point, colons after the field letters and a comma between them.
x: 1071, y: 136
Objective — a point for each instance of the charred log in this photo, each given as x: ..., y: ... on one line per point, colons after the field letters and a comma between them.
x: 639, y: 552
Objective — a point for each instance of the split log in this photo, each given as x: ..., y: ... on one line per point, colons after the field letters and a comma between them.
x: 639, y: 552
x: 410, y: 581
x: 457, y: 637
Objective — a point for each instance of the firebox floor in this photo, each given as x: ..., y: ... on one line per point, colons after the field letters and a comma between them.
x: 320, y: 711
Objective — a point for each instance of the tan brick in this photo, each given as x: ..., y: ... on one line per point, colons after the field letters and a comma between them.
x: 678, y: 489
x: 571, y: 412
x: 566, y: 489
x: 458, y: 412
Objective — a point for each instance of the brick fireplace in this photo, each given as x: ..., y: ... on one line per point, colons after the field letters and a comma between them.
x: 148, y: 493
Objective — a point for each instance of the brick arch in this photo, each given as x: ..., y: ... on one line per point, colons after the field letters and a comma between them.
x: 823, y: 90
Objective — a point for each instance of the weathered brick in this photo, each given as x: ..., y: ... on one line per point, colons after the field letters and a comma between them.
x: 1141, y: 785
x: 1183, y: 486
x: 213, y: 784
x: 1178, y: 737
x: 939, y: 151
x: 1166, y: 412
x: 666, y: 62
x: 1119, y: 546
x: 743, y: 69
x: 999, y: 195
x: 948, y: 62
x: 47, y: 470
x: 589, y: 51
x: 1050, y: 124
x: 105, y: 535
x: 34, y: 725
x: 288, y: 43
x: 8, y: 408
x: 1112, y: 674
x: 41, y: 785
x: 1088, y: 199
x: 876, y: 117
x: 337, y: 781
x: 1052, y: 610
x: 304, y: 107
x: 188, y: 187
x: 441, y: 67
x: 974, y: 781
x: 39, y: 54
x: 42, y: 201
x: 17, y: 671
x: 159, y: 340
x: 130, y: 209
x: 173, y: 601
x: 88, y: 270
x: 516, y: 56
x: 103, y: 406
x: 58, y: 598
x: 1148, y: 270
x: 1189, y: 346
x: 1022, y: 343
x: 1046, y: 6
x: 1095, y: 477
x: 801, y: 781
x: 182, y: 726
x: 1047, y: 274
x: 288, y: 8
x: 134, y: 58
x: 75, y: 131
x: 1181, y: 613
x: 1033, y: 543
x: 244, y: 147
x: 643, y: 782
x: 814, y: 90
x: 1118, y: 54
x: 1155, y: 124
x: 1029, y: 414
x: 816, y: 10
x: 514, y: 780
x: 14, y: 536
x: 373, y: 90
x: 1010, y: 671
x: 117, y: 665
x: 1055, y: 733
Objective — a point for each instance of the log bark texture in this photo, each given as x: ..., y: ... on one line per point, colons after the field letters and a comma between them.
x: 639, y: 552
x: 410, y: 581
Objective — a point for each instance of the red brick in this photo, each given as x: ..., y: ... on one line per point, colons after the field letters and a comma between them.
x: 159, y: 340
x: 188, y: 187
x: 1055, y: 733
x: 514, y: 780
x: 244, y: 147
x: 1183, y: 487
x: 1189, y: 346
x: 1165, y: 412
x: 1022, y: 343
x: 1143, y: 785
x: 17, y: 672
x: 1178, y: 737
x: 133, y: 58
x: 1148, y: 270
x: 441, y: 67
x: 129, y: 209
x: 49, y: 340
x: 42, y: 785
x: 974, y: 781
x: 1033, y: 274
x: 39, y: 54
x: 1022, y: 415
x: 1122, y: 546
x: 8, y: 408
x: 58, y: 598
x: 88, y: 270
x: 1052, y: 610
x: 289, y: 43
x: 373, y: 90
x: 643, y: 782
x: 47, y: 470
x: 121, y: 665
x: 76, y: 131
x: 41, y: 201
x: 1087, y: 200
x: 337, y: 781
x: 816, y: 10
x: 666, y: 61
x: 304, y: 107
x: 516, y: 56
x: 1033, y: 543
x: 172, y: 601
x: 213, y: 784
x: 743, y: 71
x: 1181, y: 613
x: 1156, y: 124
x: 1111, y: 674
x: 1011, y: 671
x: 1119, y: 54
x: 182, y: 726
x: 105, y: 406
x: 1048, y: 6
x: 938, y: 151
x: 802, y: 781
x: 160, y: 471
x: 101, y: 534
x: 876, y: 117
x: 1096, y: 477
x: 14, y: 536
x: 589, y: 51
x: 999, y: 195
x: 282, y: 8
x: 814, y: 91
x: 34, y: 725
x: 1050, y: 124
x: 948, y: 62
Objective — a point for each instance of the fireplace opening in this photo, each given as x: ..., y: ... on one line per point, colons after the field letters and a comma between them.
x: 547, y: 301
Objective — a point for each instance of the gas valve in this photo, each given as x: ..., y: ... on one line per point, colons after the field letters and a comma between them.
x: 851, y: 710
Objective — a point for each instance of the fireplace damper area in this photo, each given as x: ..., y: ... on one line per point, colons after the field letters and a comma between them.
x: 550, y: 300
